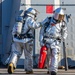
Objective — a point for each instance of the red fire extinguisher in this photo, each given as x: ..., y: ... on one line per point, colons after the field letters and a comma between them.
x: 42, y: 58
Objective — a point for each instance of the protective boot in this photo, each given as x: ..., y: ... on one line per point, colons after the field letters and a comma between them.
x: 11, y: 68
x: 48, y: 72
x: 53, y: 73
x: 29, y: 72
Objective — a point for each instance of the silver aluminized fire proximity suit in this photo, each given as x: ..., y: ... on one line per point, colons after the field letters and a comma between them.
x: 53, y: 30
x: 24, y: 41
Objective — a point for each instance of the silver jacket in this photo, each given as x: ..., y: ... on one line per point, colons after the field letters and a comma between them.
x: 52, y: 30
x: 31, y: 24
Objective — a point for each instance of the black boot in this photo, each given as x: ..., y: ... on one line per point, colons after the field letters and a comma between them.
x: 29, y: 72
x: 53, y: 73
x: 48, y: 72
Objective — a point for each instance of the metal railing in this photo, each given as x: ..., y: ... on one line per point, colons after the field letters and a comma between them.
x: 48, y: 4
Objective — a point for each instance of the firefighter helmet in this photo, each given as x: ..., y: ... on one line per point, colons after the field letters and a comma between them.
x: 59, y: 14
x: 32, y: 12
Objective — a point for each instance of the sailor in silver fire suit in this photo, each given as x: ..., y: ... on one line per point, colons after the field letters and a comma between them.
x: 53, y: 31
x: 23, y: 40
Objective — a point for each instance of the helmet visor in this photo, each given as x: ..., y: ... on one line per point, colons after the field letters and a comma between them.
x: 60, y: 17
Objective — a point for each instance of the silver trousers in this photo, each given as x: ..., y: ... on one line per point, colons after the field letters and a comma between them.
x: 52, y: 57
x: 17, y: 50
